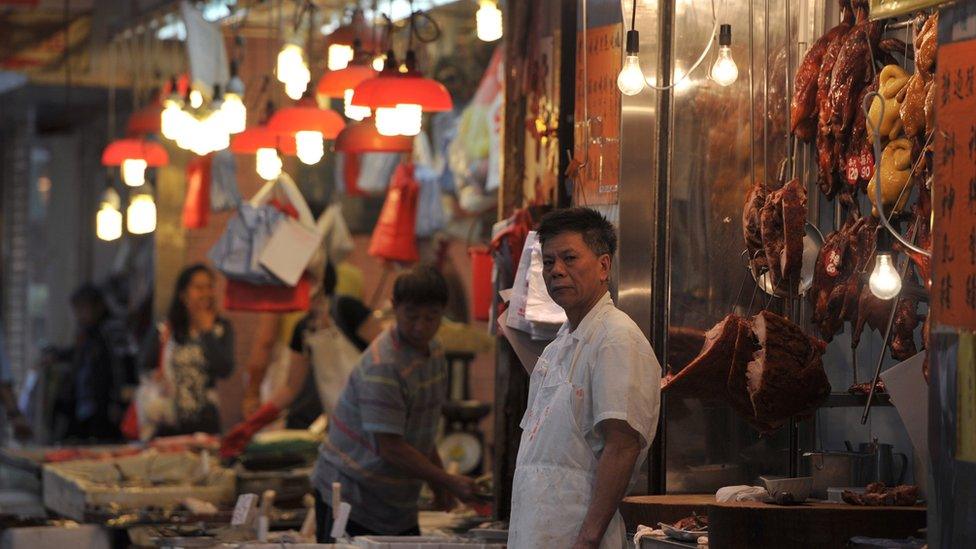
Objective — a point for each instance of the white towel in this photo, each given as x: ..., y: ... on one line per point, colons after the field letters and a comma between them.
x: 741, y: 493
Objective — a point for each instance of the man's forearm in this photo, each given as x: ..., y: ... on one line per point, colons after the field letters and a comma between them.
x: 411, y: 461
x: 612, y: 478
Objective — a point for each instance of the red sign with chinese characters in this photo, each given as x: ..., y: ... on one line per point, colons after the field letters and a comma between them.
x: 953, y: 301
x: 600, y: 175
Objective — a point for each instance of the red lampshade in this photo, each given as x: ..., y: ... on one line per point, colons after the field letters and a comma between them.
x: 362, y: 137
x: 335, y: 83
x: 260, y: 137
x: 305, y: 116
x: 124, y: 149
x: 369, y: 38
x: 145, y: 120
x: 391, y: 89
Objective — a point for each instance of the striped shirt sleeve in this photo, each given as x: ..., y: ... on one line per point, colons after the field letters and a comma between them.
x: 382, y: 405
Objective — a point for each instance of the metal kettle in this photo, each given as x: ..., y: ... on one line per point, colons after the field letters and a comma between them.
x: 880, y: 464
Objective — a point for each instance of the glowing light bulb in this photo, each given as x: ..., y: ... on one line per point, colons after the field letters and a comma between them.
x: 885, y: 282
x: 108, y: 222
x: 489, y: 20
x: 234, y: 113
x: 170, y: 120
x: 630, y: 80
x: 410, y: 118
x: 290, y: 60
x: 189, y: 130
x: 378, y: 62
x: 215, y: 136
x: 268, y: 164
x: 724, y: 70
x: 339, y: 56
x: 296, y: 88
x: 196, y: 99
x: 354, y: 112
x: 310, y: 146
x: 386, y: 121
x: 141, y: 214
x: 134, y: 171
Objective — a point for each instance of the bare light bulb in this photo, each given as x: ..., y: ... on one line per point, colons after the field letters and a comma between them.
x: 379, y: 62
x: 724, y: 70
x: 295, y: 89
x: 885, y: 282
x: 108, y: 222
x: 489, y: 21
x: 141, y: 214
x: 339, y: 56
x: 268, y: 164
x: 386, y: 121
x: 354, y: 112
x: 215, y: 135
x: 171, y: 119
x: 630, y: 80
x: 234, y: 113
x: 196, y: 99
x: 410, y: 118
x: 290, y: 59
x: 134, y: 171
x: 310, y: 146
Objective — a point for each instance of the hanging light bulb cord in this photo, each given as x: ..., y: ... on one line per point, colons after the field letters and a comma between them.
x: 879, y: 203
x: 697, y: 63
x: 415, y: 29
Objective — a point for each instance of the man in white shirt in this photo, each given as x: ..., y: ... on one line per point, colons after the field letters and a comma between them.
x: 594, y: 398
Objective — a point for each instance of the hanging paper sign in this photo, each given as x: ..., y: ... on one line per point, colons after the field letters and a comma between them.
x: 954, y: 189
x: 881, y: 9
x: 597, y: 132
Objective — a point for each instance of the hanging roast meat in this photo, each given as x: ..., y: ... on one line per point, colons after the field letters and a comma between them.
x: 803, y: 106
x: 785, y: 376
x: 827, y: 178
x: 751, y: 227
x: 874, y: 312
x: 852, y: 72
x: 859, y: 156
x: 706, y: 375
x: 781, y: 224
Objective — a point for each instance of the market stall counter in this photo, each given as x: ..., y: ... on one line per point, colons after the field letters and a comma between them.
x: 753, y: 524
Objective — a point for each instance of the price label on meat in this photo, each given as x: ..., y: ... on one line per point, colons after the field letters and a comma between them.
x: 954, y: 189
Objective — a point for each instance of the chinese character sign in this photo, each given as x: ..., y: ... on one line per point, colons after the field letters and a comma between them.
x: 598, y: 140
x: 954, y: 191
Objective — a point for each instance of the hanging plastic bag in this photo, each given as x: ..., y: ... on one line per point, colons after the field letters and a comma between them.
x: 530, y: 302
x: 394, y: 238
x: 375, y: 171
x: 430, y: 209
x: 237, y: 253
x: 196, y: 206
x: 224, y: 192
x: 333, y: 358
x: 337, y: 242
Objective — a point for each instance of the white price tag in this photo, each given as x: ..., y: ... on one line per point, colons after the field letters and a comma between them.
x: 244, y: 510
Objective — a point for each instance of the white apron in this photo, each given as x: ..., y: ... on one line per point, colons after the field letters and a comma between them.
x: 556, y: 468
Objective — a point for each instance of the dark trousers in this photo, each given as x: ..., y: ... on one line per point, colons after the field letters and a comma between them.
x: 323, y: 524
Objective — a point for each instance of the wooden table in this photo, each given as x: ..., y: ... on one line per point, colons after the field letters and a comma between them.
x: 750, y: 524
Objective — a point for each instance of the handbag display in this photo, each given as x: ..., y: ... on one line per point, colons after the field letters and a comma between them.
x: 394, y: 238
x: 237, y: 254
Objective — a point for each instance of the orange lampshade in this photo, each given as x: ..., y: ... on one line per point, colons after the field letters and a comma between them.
x: 305, y: 116
x: 335, y: 83
x: 130, y: 149
x: 260, y: 137
x: 362, y: 137
x: 390, y: 89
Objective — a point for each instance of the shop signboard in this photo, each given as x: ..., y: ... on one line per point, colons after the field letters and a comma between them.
x: 597, y: 113
x: 881, y: 9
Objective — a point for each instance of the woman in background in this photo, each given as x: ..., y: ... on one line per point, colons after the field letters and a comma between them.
x: 196, y: 347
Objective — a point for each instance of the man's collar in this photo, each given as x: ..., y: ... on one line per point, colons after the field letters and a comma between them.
x: 591, y: 317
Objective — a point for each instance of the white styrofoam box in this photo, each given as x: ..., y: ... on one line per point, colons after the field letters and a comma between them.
x: 21, y: 504
x: 75, y: 487
x: 88, y: 536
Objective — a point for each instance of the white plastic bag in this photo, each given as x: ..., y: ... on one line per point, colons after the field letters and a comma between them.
x: 333, y: 357
x: 530, y: 303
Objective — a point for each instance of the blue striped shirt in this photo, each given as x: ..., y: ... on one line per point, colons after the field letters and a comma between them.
x: 393, y: 390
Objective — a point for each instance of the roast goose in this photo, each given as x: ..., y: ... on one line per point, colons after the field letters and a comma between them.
x: 913, y: 111
x: 877, y: 494
x: 826, y: 173
x: 705, y: 376
x: 803, y: 106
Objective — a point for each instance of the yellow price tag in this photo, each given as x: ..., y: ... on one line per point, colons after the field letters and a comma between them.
x: 881, y: 9
x: 966, y: 397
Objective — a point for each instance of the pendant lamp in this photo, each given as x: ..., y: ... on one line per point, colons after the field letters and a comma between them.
x: 340, y: 85
x: 400, y: 98
x: 341, y: 45
x: 363, y: 137
x: 108, y: 219
x: 267, y: 146
x: 145, y: 121
x: 134, y: 156
x: 309, y: 125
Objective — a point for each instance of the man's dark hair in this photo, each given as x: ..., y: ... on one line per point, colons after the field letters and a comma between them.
x: 597, y: 232
x: 88, y: 294
x: 421, y: 285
